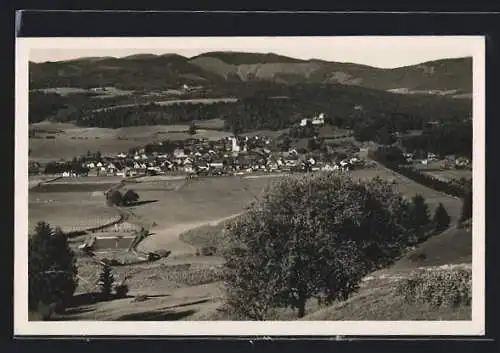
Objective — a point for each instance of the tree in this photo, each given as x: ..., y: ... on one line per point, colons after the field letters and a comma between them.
x: 114, y: 198
x: 441, y: 218
x: 466, y: 212
x: 130, y: 197
x: 418, y: 217
x: 384, y: 137
x: 105, y: 281
x: 192, y: 129
x: 309, y: 236
x: 52, y: 270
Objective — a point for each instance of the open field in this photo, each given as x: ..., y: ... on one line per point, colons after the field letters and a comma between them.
x: 449, y: 175
x: 71, y: 140
x: 177, y: 101
x: 410, y: 188
x: 72, y: 211
x: 214, y: 124
x: 182, y: 206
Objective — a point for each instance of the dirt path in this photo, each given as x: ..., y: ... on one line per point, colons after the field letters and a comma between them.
x: 168, y: 238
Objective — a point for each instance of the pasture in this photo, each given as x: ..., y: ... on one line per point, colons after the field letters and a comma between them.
x: 177, y: 101
x: 449, y: 175
x: 179, y: 206
x: 206, y: 235
x: 70, y: 140
x: 213, y: 124
x: 409, y: 188
x: 72, y: 211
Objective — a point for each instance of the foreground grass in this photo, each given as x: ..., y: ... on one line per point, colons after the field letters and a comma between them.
x: 454, y: 246
x: 383, y: 304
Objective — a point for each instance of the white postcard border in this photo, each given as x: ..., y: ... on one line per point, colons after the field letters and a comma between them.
x: 22, y: 326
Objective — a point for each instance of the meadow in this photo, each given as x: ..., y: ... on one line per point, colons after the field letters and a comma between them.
x: 409, y: 188
x: 72, y: 211
x: 69, y: 141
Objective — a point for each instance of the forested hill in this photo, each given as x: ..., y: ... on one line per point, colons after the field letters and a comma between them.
x: 262, y: 106
x: 147, y: 71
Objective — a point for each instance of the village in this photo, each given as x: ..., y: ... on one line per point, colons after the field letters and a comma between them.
x: 233, y: 155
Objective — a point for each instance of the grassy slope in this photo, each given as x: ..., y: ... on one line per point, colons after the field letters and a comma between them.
x: 376, y: 300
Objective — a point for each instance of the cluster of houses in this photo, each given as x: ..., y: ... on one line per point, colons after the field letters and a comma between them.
x: 315, y: 121
x: 228, y: 156
x: 447, y: 162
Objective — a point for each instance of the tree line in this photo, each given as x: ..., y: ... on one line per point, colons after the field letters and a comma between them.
x: 260, y: 107
x: 61, y: 167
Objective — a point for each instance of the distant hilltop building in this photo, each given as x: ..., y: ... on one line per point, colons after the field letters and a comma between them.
x: 187, y: 88
x: 317, y: 120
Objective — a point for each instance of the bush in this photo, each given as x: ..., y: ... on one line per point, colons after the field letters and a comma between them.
x: 130, y: 197
x: 438, y: 287
x: 114, y: 198
x: 121, y: 290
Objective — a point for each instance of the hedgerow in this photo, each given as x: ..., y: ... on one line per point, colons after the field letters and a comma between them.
x: 438, y: 287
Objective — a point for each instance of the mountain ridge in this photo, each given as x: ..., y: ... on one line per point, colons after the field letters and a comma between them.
x: 144, y: 71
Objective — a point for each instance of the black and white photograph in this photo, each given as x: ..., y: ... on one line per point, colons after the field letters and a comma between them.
x: 235, y: 185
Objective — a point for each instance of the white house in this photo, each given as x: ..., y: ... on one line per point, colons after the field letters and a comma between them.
x: 179, y: 153
x: 155, y: 169
x: 216, y: 164
x: 303, y: 122
x: 98, y: 165
x: 319, y: 120
x: 122, y: 155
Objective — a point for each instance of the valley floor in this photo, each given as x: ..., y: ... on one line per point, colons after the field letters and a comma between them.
x: 185, y: 286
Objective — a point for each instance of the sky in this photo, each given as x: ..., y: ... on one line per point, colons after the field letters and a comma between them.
x: 383, y: 52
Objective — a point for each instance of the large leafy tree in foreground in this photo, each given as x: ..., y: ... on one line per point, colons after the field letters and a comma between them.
x: 52, y: 267
x: 310, y: 236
